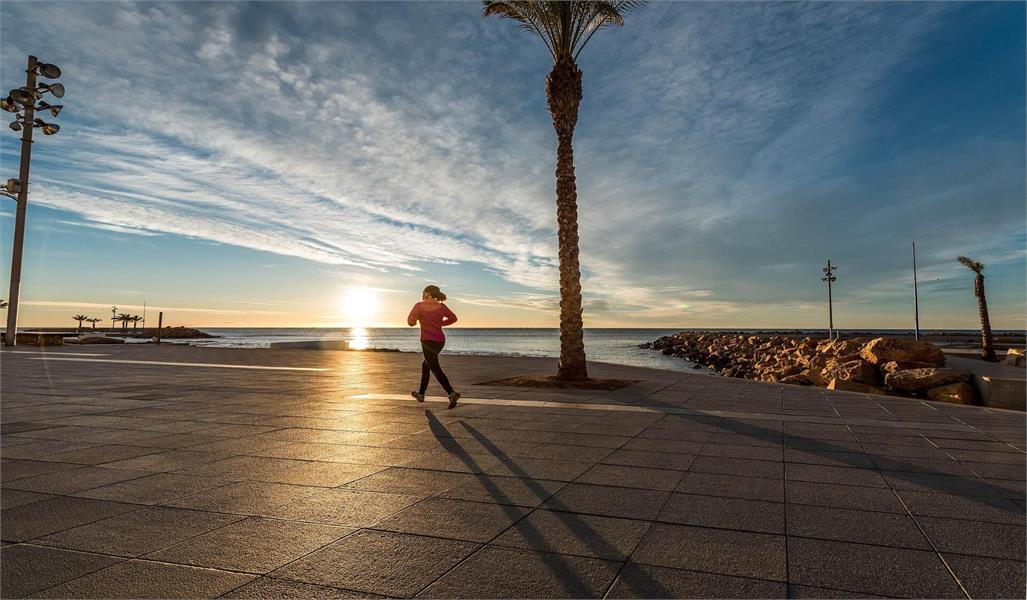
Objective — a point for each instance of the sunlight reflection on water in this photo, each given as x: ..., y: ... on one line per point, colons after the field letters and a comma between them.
x: 359, y: 339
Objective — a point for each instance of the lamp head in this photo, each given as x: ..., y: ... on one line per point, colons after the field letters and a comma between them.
x: 9, y: 105
x: 57, y: 89
x: 48, y: 70
x: 15, y: 125
x: 23, y: 96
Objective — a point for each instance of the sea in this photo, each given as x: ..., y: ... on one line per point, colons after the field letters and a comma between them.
x: 618, y: 346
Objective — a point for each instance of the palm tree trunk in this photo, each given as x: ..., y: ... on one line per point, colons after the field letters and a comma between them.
x: 563, y: 95
x: 987, y: 341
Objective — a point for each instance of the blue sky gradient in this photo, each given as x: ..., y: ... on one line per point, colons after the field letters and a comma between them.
x: 250, y: 164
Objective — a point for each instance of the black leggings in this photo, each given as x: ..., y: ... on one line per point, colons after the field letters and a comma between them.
x: 431, y: 363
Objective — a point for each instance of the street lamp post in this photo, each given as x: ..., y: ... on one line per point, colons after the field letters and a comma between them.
x: 830, y: 278
x: 17, y: 101
x: 916, y: 300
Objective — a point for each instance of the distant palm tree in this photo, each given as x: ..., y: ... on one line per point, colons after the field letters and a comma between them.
x: 135, y: 321
x: 94, y: 321
x: 124, y: 318
x: 80, y: 318
x: 987, y: 341
x: 3, y: 303
x: 565, y: 28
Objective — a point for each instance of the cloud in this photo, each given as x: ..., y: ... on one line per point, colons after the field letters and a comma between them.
x: 723, y: 151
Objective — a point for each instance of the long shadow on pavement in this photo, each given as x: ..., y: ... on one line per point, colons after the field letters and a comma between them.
x: 582, y: 530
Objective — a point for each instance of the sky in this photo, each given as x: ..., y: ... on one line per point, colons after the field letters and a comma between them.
x: 318, y: 163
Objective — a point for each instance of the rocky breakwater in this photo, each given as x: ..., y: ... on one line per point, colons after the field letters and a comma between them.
x: 881, y: 365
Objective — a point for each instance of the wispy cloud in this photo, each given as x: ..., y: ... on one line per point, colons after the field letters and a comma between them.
x: 723, y: 151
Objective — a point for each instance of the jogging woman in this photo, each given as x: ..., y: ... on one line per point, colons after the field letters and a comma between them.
x: 433, y: 315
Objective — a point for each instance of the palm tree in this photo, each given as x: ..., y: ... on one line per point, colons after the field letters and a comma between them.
x: 94, y: 321
x: 987, y: 341
x: 79, y: 318
x: 565, y: 28
x: 3, y: 303
x: 135, y: 321
x: 124, y: 318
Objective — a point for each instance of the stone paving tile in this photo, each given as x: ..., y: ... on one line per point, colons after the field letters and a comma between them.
x: 538, y: 468
x: 921, y: 465
x: 350, y: 508
x: 379, y: 562
x: 241, y: 467
x: 504, y: 490
x: 828, y: 474
x: 322, y: 474
x: 401, y: 480
x: 997, y: 470
x: 454, y: 519
x: 507, y: 573
x: 725, y: 513
x: 865, y: 527
x: 73, y: 480
x: 26, y: 569
x: 271, y: 588
x: 843, y: 496
x: 29, y: 521
x: 744, y: 452
x: 739, y: 467
x: 153, y: 489
x: 737, y: 553
x: 821, y: 457
x: 31, y: 449
x: 977, y: 508
x: 136, y: 533
x: 459, y: 462
x: 870, y: 569
x: 658, y: 445
x: 95, y: 455
x: 252, y: 545
x: 637, y: 477
x: 169, y: 460
x: 977, y: 538
x: 12, y: 498
x: 648, y: 581
x: 245, y: 497
x: 142, y: 579
x: 818, y: 593
x: 570, y: 533
x: 988, y: 577
x: 947, y: 484
x: 608, y: 501
x: 13, y: 469
x: 651, y: 460
x: 714, y: 484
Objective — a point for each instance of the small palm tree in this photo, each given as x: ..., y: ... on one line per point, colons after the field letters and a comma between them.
x: 94, y: 321
x: 123, y: 318
x: 80, y: 318
x: 987, y: 341
x: 565, y: 28
x: 3, y: 304
x: 135, y: 321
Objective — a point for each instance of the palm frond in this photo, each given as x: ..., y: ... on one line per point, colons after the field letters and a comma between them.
x: 565, y: 27
x: 971, y: 264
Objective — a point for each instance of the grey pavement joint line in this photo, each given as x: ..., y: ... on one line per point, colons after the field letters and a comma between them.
x: 923, y: 532
x: 687, y: 412
x: 181, y: 364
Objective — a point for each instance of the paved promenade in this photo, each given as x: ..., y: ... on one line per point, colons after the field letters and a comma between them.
x: 194, y: 472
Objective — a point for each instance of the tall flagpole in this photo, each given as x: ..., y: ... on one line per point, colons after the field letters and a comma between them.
x: 916, y: 299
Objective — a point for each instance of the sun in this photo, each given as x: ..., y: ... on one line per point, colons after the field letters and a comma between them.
x: 358, y: 307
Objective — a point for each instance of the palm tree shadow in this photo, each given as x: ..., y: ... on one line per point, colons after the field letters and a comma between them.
x: 602, y: 548
x: 918, y: 475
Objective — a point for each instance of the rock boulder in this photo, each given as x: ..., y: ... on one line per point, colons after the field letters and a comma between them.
x: 921, y: 380
x: 957, y: 393
x: 882, y: 350
x: 845, y: 385
x: 1015, y: 357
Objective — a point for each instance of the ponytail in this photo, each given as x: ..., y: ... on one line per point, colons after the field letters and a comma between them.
x: 434, y: 292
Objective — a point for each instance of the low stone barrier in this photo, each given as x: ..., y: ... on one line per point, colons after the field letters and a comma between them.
x: 876, y: 366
